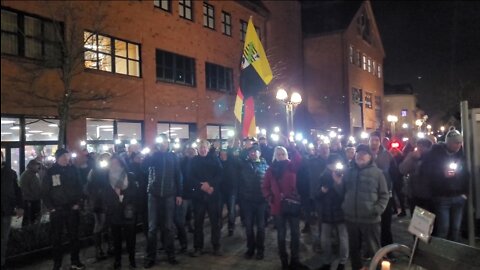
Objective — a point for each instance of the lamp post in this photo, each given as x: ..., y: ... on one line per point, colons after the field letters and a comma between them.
x: 392, y: 119
x: 290, y: 104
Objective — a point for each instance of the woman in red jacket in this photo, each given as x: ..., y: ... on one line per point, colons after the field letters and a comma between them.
x: 280, y: 184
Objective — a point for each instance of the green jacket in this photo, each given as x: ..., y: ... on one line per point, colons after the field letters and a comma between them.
x: 366, y: 194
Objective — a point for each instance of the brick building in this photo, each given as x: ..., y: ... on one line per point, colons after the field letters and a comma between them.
x: 147, y: 68
x: 343, y: 61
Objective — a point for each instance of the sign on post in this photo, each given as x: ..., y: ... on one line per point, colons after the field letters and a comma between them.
x: 421, y: 224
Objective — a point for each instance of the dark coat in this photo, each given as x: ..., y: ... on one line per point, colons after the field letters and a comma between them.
x: 61, y: 187
x: 115, y: 208
x: 230, y: 176
x: 433, y: 168
x: 96, y: 185
x: 185, y: 165
x: 164, y: 175
x: 251, y: 180
x: 205, y: 169
x: 331, y: 201
x: 11, y: 193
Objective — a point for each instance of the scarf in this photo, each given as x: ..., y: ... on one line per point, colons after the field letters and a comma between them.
x: 279, y: 168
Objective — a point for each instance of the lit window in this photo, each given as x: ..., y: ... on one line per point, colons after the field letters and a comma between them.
x: 358, y: 59
x: 369, y: 65
x: 10, y: 129
x: 111, y: 54
x: 185, y: 9
x: 208, y: 16
x: 41, y: 129
x: 350, y: 54
x: 379, y: 74
x: 368, y: 100
x: 364, y: 62
x: 374, y: 67
x: 163, y: 4
x: 226, y: 23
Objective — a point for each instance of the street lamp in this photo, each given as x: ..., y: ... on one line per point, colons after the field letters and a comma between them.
x: 295, y: 99
x: 419, y: 124
x: 392, y: 119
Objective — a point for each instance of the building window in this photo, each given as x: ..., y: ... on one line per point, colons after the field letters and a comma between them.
x: 111, y: 54
x: 226, y: 23
x: 219, y: 132
x: 41, y: 129
x: 10, y: 129
x: 368, y: 100
x: 218, y: 78
x: 208, y: 16
x: 103, y: 135
x: 379, y: 73
x: 369, y: 65
x: 358, y: 59
x: 175, y: 68
x: 243, y: 30
x: 174, y: 130
x: 374, y: 68
x: 31, y: 37
x: 350, y: 54
x: 163, y: 4
x: 378, y: 112
x: 185, y: 9
x: 364, y: 62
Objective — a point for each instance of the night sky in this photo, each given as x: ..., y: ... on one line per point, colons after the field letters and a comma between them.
x: 435, y: 46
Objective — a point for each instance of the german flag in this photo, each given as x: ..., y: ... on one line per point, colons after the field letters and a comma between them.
x: 255, y: 75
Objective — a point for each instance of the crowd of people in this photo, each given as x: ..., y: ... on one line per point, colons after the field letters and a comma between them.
x: 349, y: 193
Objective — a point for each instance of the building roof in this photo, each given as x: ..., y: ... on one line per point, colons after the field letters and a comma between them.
x: 256, y: 6
x: 404, y: 89
x: 320, y: 17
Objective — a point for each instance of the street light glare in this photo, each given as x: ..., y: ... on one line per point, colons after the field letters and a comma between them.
x: 364, y: 135
x: 276, y: 129
x: 275, y: 137
x: 296, y: 98
x: 405, y: 125
x: 332, y: 134
x: 282, y: 94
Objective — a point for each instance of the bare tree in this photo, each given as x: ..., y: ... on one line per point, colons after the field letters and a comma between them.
x: 64, y: 61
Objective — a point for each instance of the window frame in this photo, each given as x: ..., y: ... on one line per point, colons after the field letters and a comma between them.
x: 368, y: 100
x: 158, y: 4
x: 369, y: 65
x: 182, y: 5
x: 113, y: 55
x: 175, y: 56
x: 379, y: 71
x: 350, y: 54
x: 225, y: 72
x: 22, y: 37
x: 207, y: 17
x: 243, y: 30
x: 226, y: 25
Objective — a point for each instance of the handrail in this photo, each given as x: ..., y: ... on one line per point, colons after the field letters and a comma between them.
x: 387, y: 249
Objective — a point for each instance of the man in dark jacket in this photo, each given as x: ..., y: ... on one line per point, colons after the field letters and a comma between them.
x: 385, y: 162
x: 62, y: 194
x: 205, y: 175
x: 164, y: 192
x: 182, y: 210
x: 365, y: 198
x: 446, y: 170
x: 417, y: 187
x: 332, y: 213
x: 254, y: 204
x: 11, y: 203
x: 229, y: 186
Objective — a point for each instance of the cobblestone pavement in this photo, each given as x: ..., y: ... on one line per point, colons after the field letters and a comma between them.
x: 233, y: 249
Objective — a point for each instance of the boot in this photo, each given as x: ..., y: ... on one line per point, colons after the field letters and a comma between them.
x: 284, y: 261
x: 297, y: 265
x: 99, y: 254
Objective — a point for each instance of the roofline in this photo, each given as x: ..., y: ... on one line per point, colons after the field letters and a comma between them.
x: 323, y: 34
x: 259, y: 9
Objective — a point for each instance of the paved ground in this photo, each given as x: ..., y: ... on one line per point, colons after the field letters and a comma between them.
x: 233, y: 248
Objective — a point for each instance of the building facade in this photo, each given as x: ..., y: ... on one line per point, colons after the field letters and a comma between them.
x: 146, y: 68
x: 343, y: 66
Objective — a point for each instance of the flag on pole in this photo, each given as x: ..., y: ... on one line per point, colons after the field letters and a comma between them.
x: 239, y: 105
x: 255, y: 75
